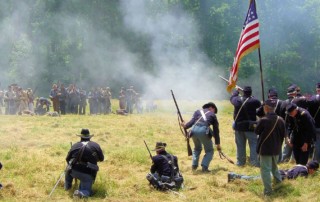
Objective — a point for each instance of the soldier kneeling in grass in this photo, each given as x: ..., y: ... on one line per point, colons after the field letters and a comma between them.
x: 164, y: 170
x: 82, y: 163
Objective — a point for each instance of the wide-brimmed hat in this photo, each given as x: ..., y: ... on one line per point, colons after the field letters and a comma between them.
x: 210, y: 104
x: 85, y: 134
x: 160, y: 146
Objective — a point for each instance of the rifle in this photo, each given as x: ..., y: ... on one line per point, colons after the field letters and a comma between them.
x: 223, y: 156
x: 226, y: 80
x: 148, y: 149
x: 62, y: 174
x: 184, y: 132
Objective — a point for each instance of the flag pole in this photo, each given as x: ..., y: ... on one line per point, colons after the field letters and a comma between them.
x: 261, y: 75
x: 260, y: 63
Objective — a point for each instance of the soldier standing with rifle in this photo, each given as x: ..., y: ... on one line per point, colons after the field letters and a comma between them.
x: 201, y: 134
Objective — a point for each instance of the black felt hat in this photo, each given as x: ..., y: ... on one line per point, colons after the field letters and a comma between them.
x: 160, y: 146
x: 85, y: 134
x: 210, y: 104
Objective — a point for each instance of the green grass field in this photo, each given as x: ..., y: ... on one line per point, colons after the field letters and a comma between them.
x: 33, y: 151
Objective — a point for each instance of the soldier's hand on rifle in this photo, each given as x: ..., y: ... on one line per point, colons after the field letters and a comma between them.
x: 218, y: 147
x: 183, y: 124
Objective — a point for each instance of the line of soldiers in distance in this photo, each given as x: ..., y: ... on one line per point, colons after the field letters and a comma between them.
x: 70, y: 100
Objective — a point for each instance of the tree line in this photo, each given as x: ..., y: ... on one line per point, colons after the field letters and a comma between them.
x: 38, y: 50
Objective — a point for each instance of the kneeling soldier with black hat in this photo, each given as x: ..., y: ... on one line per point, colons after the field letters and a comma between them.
x: 164, y: 170
x: 82, y: 160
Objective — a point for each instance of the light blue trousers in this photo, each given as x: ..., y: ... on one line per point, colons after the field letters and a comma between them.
x: 268, y: 164
x: 200, y: 138
x: 241, y: 138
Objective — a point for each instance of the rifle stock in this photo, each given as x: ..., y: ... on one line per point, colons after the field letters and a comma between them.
x: 226, y: 80
x: 185, y: 132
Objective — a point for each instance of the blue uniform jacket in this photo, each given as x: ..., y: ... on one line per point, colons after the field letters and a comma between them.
x: 161, y: 165
x: 296, y: 171
x: 211, y: 120
x: 303, y: 128
x: 247, y: 114
x: 270, y: 145
x: 92, y: 153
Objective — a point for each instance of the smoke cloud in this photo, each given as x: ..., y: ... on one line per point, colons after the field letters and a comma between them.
x: 178, y: 62
x: 97, y: 57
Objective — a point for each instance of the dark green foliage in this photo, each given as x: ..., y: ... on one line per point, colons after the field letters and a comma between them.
x: 55, y: 41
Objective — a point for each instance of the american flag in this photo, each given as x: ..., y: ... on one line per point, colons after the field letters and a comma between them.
x: 249, y: 41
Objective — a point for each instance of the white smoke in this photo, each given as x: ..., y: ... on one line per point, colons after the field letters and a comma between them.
x: 179, y: 63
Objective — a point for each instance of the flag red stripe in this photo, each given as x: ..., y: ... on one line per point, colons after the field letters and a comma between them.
x: 244, y: 50
x: 247, y: 39
x: 248, y: 29
x: 242, y: 54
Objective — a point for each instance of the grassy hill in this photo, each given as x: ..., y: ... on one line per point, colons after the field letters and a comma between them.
x: 33, y: 151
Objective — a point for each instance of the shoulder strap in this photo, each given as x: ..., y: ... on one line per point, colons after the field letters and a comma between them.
x: 79, y: 156
x: 277, y: 104
x: 203, y: 115
x: 171, y: 163
x: 274, y: 126
x: 241, y: 108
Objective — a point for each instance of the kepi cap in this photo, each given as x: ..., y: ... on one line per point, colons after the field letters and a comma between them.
x: 313, y: 165
x: 271, y: 103
x: 247, y: 89
x: 273, y: 92
x: 290, y: 107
